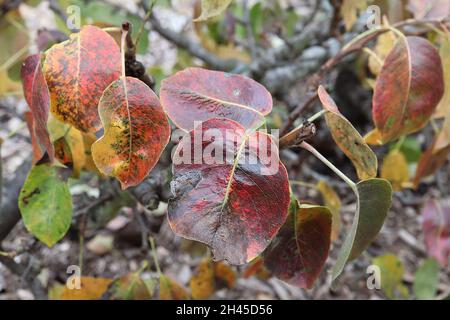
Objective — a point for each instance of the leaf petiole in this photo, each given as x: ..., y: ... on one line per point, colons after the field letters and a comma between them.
x: 319, y: 156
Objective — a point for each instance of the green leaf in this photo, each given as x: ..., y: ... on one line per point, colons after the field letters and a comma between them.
x: 392, y: 270
x: 212, y: 8
x: 426, y: 280
x: 46, y: 204
x: 374, y: 198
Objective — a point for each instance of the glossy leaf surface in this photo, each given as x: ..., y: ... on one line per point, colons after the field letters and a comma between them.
x: 230, y: 189
x: 136, y: 131
x: 196, y: 94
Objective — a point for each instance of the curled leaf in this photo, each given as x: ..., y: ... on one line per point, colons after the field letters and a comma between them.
x: 348, y: 138
x: 136, y: 131
x: 299, y: 251
x: 374, y: 198
x: 230, y: 189
x: 77, y: 71
x: 196, y: 94
x: 403, y: 100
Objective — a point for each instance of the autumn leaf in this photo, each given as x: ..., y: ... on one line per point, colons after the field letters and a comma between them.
x: 430, y: 162
x: 429, y: 9
x: 37, y: 151
x: 91, y: 289
x: 392, y: 271
x: 212, y: 8
x: 443, y: 108
x: 400, y: 103
x: 202, y: 283
x: 395, y: 169
x: 77, y: 72
x: 46, y: 204
x: 384, y: 44
x: 228, y: 194
x: 436, y: 228
x: 258, y: 269
x: 350, y: 10
x: 298, y: 252
x: 171, y: 290
x: 37, y: 96
x: 374, y: 198
x: 196, y: 94
x: 136, y: 131
x: 130, y: 287
x: 224, y: 275
x: 348, y: 138
x: 332, y: 202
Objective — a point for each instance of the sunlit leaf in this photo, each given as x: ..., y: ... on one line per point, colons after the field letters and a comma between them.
x: 436, y: 227
x: 403, y: 100
x: 426, y: 280
x: 212, y: 8
x: 392, y: 271
x: 298, y: 252
x: 332, y: 202
x: 374, y: 199
x: 231, y: 194
x: 348, y: 139
x: 77, y: 71
x: 196, y: 94
x: 38, y: 98
x: 395, y: 169
x: 136, y: 131
x: 91, y: 289
x: 171, y: 290
x: 46, y: 204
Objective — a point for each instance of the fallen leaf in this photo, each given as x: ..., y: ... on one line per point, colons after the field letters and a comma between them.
x: 202, y: 283
x: 171, y: 290
x: 91, y: 289
x: 392, y: 271
x: 426, y: 280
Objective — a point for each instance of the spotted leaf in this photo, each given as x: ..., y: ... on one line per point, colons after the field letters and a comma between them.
x: 403, y: 99
x: 196, y: 94
x: 136, y: 131
x: 77, y: 71
x: 230, y: 189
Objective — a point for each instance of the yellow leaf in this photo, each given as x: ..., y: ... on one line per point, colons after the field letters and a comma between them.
x: 350, y: 10
x: 392, y: 270
x: 202, y: 283
x: 224, y: 274
x: 212, y: 8
x: 395, y: 169
x: 373, y: 137
x: 7, y: 85
x: 333, y: 202
x: 91, y: 289
x: 170, y: 290
x: 385, y: 43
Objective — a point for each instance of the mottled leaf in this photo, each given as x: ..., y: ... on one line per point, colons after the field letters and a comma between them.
x: 196, y: 94
x: 136, y: 131
x: 392, y: 271
x: 348, y: 139
x: 91, y: 289
x: 212, y: 8
x: 298, y: 253
x: 374, y: 197
x: 171, y: 290
x: 426, y: 280
x: 77, y: 71
x: 403, y: 100
x: 395, y: 169
x: 436, y: 227
x: 46, y: 204
x: 230, y: 189
x: 202, y: 283
x: 38, y: 98
x: 332, y: 202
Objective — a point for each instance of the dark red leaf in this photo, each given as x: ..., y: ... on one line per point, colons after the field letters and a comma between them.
x: 236, y: 206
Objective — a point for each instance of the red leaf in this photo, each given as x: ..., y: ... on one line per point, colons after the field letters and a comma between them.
x: 403, y: 99
x: 298, y: 253
x: 37, y: 152
x: 196, y: 94
x: 37, y: 96
x: 77, y: 72
x: 136, y: 131
x: 236, y: 206
x: 436, y: 227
